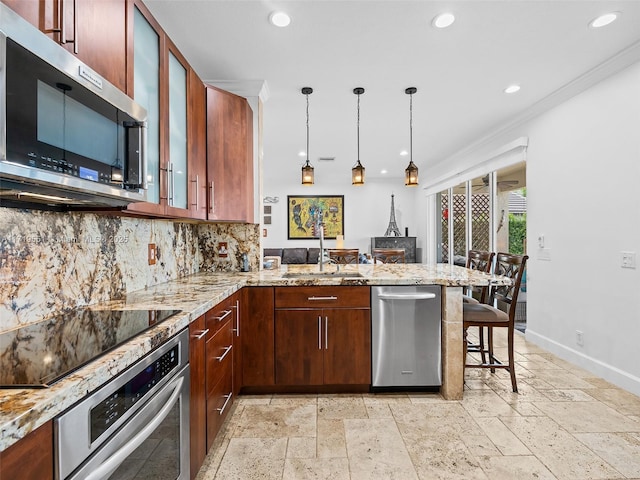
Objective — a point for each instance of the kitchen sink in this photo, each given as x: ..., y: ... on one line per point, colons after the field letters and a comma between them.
x: 321, y: 274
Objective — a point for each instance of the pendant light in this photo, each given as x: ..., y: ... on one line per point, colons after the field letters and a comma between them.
x: 307, y: 169
x: 357, y: 172
x: 411, y: 172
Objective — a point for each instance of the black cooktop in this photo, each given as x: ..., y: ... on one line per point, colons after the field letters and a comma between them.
x: 40, y: 354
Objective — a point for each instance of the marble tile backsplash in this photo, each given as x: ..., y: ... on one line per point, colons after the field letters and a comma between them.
x: 51, y: 262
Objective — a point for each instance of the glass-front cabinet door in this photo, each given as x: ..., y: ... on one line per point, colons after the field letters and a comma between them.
x: 177, y: 161
x: 161, y: 85
x: 146, y: 91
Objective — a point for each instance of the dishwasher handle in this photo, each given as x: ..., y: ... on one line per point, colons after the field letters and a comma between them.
x: 406, y: 296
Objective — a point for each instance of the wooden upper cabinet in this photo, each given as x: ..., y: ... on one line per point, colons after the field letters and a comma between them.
x: 197, y: 125
x: 163, y: 82
x: 229, y: 157
x: 94, y: 30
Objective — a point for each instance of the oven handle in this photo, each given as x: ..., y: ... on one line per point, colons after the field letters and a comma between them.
x: 119, y: 456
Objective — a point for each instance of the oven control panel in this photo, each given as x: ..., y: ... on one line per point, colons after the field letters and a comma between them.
x: 112, y: 408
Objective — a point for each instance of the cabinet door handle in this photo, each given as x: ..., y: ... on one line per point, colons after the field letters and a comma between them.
x: 62, y: 25
x: 75, y: 27
x: 166, y: 173
x: 226, y: 350
x: 211, y: 202
x: 319, y: 332
x: 228, y: 399
x: 198, y: 336
x: 326, y: 333
x: 197, y: 182
x: 237, y: 307
x: 62, y: 22
x: 171, y: 184
x: 224, y: 315
x: 322, y: 298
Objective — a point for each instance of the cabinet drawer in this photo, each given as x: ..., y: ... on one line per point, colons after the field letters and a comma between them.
x: 219, y: 404
x: 219, y: 355
x: 217, y: 317
x: 320, y: 297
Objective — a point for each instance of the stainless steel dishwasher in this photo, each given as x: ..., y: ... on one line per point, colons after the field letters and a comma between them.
x: 405, y: 330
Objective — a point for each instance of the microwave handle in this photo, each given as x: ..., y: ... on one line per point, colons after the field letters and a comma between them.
x: 127, y: 449
x: 136, y: 155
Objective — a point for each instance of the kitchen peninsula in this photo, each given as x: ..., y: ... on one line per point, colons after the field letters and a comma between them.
x: 23, y: 410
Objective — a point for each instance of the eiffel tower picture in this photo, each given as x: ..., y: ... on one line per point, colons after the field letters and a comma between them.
x: 393, y: 226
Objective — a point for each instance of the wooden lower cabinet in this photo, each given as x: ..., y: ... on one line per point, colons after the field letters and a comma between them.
x: 322, y: 346
x: 347, y: 347
x: 30, y: 458
x: 198, y: 399
x: 257, y: 332
x: 299, y: 354
x: 219, y: 367
x: 237, y: 304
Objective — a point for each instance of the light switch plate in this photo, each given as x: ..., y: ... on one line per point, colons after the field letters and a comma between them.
x: 544, y: 254
x: 628, y: 259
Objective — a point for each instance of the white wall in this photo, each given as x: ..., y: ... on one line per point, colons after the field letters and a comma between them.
x: 367, y: 208
x: 583, y: 174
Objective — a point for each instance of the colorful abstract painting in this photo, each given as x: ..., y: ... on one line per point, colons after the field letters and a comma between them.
x: 303, y: 212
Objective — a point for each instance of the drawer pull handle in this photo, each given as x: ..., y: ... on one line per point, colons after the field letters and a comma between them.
x: 322, y: 298
x: 226, y: 350
x: 226, y: 402
x: 201, y: 334
x: 224, y: 315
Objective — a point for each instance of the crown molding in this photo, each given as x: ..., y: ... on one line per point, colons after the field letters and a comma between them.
x: 243, y: 88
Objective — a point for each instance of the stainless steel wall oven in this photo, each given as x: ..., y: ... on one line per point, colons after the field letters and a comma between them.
x: 136, y: 426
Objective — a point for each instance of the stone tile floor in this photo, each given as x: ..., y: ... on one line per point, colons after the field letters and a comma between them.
x: 564, y: 423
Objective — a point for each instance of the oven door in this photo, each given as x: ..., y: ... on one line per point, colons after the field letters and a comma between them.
x: 154, y: 443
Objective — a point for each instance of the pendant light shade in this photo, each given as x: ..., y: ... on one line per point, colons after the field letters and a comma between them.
x: 307, y: 168
x: 357, y: 172
x: 411, y: 172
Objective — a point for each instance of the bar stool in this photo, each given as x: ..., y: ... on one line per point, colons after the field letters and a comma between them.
x: 388, y: 255
x: 482, y: 261
x: 505, y: 298
x: 344, y: 255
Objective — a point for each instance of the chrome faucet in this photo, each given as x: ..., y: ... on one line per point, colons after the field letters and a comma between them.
x: 320, y: 228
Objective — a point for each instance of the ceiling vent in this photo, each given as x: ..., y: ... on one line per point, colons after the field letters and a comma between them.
x: 326, y: 159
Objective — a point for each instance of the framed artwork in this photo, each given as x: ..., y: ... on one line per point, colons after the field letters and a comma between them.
x: 303, y: 212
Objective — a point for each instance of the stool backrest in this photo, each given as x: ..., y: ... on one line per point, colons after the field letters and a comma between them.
x: 388, y: 255
x: 482, y: 261
x: 344, y: 255
x: 512, y: 266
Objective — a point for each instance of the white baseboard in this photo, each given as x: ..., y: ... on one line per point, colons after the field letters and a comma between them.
x: 608, y: 372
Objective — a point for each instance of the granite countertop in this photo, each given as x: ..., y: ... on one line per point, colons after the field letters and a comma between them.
x: 23, y: 410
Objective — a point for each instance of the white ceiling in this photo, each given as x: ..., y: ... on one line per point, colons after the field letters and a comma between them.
x: 385, y: 46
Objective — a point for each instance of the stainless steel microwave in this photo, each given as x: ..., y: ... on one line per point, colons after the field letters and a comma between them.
x: 67, y: 136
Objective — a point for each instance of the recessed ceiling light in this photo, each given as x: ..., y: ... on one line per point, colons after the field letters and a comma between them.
x: 279, y: 19
x: 302, y: 153
x: 383, y: 171
x: 404, y: 153
x: 604, y: 20
x: 512, y: 89
x: 443, y: 20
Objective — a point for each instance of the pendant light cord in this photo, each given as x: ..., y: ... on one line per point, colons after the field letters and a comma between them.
x: 411, y: 127
x: 358, y: 135
x: 307, y: 95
